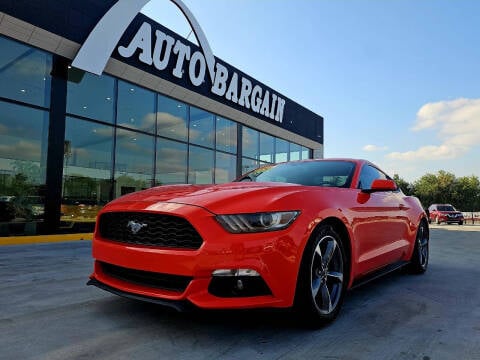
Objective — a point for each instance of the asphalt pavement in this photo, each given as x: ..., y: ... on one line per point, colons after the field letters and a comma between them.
x: 47, y: 312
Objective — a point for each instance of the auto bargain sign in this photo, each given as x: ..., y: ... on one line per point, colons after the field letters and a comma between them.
x: 161, y: 52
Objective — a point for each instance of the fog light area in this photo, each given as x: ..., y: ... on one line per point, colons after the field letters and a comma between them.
x: 235, y: 272
x: 237, y: 283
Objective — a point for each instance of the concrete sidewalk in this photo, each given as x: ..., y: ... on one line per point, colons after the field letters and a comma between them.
x: 464, y: 227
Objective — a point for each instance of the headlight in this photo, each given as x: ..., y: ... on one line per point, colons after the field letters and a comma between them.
x: 257, y: 222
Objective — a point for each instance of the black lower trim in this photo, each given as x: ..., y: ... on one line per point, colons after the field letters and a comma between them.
x: 378, y: 273
x: 176, y: 283
x: 180, y: 306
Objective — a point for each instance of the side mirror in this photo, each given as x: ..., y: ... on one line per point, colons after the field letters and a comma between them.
x: 381, y: 185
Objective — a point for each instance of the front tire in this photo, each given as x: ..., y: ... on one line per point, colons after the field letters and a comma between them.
x: 419, y: 261
x: 322, y: 280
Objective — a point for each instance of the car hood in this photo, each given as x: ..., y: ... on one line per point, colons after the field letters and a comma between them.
x: 222, y: 198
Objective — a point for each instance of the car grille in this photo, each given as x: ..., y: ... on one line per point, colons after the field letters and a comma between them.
x: 149, y: 229
x: 169, y: 282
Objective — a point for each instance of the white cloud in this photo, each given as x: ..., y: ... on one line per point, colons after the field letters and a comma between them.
x: 372, y: 148
x: 23, y: 150
x: 457, y: 125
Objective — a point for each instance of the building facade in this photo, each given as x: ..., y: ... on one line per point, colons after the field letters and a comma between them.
x: 163, y: 111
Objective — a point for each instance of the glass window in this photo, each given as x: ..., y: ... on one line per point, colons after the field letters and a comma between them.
x: 90, y: 96
x: 266, y: 148
x: 249, y: 142
x: 87, y: 169
x: 201, y: 127
x: 305, y: 153
x: 281, y: 150
x: 172, y: 118
x: 226, y: 135
x: 23, y: 150
x: 171, y: 162
x: 311, y: 173
x: 225, y: 168
x: 136, y: 107
x: 295, y: 151
x: 249, y: 165
x: 200, y: 165
x: 24, y: 73
x: 133, y: 162
x: 367, y: 175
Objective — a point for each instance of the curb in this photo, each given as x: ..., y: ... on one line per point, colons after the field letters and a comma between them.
x: 40, y: 239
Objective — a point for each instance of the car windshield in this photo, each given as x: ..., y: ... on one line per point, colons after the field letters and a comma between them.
x: 446, y: 208
x: 310, y: 173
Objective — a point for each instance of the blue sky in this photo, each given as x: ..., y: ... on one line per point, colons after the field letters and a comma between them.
x: 397, y: 81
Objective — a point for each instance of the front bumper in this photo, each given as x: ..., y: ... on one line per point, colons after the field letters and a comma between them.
x: 450, y: 218
x: 275, y: 256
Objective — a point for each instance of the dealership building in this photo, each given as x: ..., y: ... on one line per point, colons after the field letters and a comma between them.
x: 98, y: 100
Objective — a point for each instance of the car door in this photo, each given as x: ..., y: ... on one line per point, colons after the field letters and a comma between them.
x: 381, y: 224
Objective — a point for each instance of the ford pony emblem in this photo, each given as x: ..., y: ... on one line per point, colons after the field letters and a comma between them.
x: 135, y: 227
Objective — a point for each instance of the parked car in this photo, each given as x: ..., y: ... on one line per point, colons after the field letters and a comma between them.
x: 21, y: 208
x: 295, y: 234
x: 445, y: 213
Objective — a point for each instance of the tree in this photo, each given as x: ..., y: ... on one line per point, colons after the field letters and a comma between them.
x: 445, y: 188
x: 404, y: 185
x: 467, y: 193
x: 426, y: 189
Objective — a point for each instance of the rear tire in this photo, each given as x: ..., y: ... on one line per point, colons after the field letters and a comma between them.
x: 419, y: 261
x: 322, y: 279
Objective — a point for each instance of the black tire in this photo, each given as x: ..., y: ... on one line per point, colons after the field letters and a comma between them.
x: 322, y: 279
x: 460, y: 223
x: 419, y: 261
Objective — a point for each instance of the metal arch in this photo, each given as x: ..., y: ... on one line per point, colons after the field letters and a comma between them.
x: 100, y: 43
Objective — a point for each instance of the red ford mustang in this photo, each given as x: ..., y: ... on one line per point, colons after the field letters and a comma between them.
x: 296, y: 234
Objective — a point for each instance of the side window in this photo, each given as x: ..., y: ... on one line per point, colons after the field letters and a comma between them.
x: 368, y: 174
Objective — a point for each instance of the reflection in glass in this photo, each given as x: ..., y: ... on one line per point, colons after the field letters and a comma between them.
x: 249, y: 142
x: 266, y: 148
x: 172, y: 118
x: 295, y: 151
x: 201, y: 127
x: 171, y: 162
x: 23, y: 149
x: 281, y: 150
x: 225, y: 168
x: 136, y: 107
x: 87, y: 169
x: 200, y: 165
x: 91, y: 97
x: 249, y: 165
x: 133, y: 162
x: 24, y: 73
x: 226, y: 135
x: 305, y: 153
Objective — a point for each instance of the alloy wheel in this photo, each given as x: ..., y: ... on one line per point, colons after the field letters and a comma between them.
x: 422, y: 246
x: 327, y: 275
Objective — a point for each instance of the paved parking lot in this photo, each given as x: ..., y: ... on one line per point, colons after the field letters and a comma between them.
x: 47, y: 312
